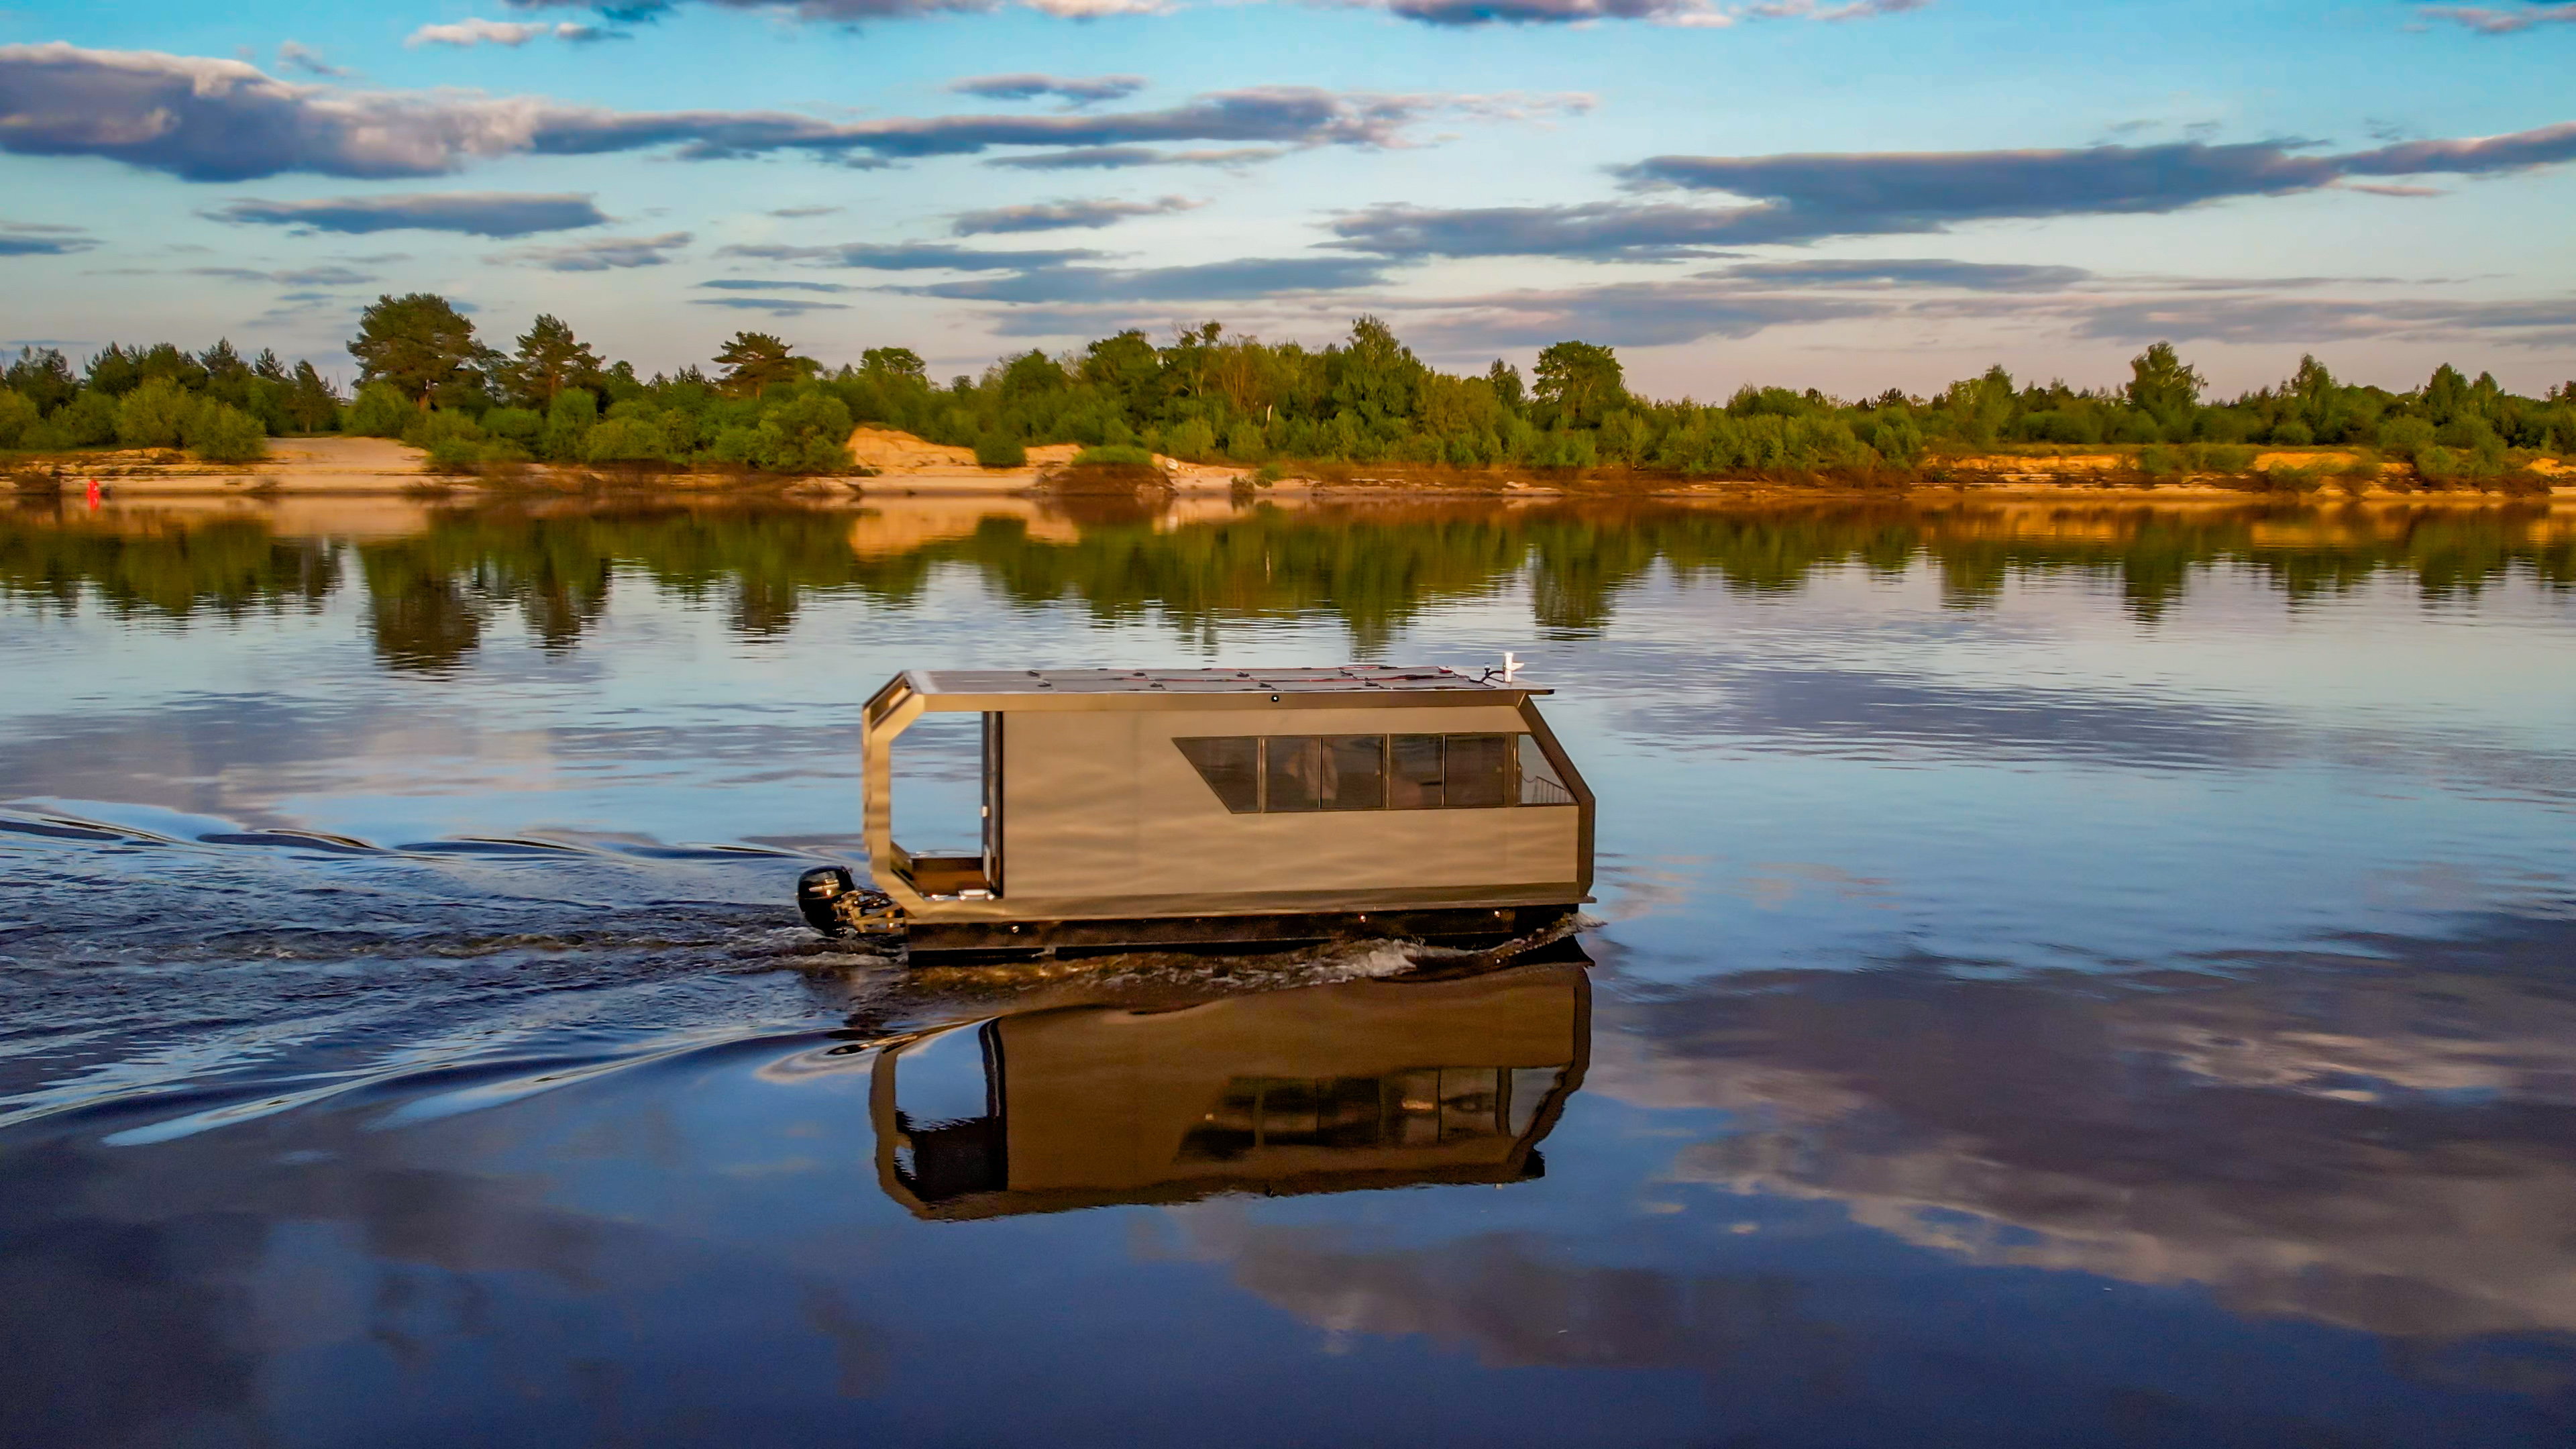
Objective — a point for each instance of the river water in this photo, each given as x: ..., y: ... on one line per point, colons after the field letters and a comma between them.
x: 2061, y: 975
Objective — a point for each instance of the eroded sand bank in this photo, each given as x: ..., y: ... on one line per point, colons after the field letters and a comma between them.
x: 896, y: 464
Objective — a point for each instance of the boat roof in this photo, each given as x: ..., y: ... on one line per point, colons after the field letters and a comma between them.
x: 1328, y: 679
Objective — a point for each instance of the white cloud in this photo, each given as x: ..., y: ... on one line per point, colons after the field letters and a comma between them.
x: 513, y: 33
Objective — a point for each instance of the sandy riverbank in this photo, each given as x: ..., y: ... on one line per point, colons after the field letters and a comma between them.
x: 900, y: 465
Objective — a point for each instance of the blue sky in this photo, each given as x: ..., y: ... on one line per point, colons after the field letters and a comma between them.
x: 1844, y: 195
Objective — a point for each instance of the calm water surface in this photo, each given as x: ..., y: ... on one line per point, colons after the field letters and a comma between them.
x: 2063, y: 976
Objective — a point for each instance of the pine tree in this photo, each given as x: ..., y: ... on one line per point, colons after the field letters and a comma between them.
x: 549, y: 360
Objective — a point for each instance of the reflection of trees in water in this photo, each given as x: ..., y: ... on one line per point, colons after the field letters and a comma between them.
x: 430, y: 595
x: 232, y: 567
x: 1373, y: 568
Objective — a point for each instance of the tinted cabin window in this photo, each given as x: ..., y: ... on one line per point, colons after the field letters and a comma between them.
x: 1231, y: 767
x: 1354, y: 772
x: 1477, y: 771
x: 1413, y: 773
x: 1303, y: 774
x: 1539, y: 782
x: 1294, y: 770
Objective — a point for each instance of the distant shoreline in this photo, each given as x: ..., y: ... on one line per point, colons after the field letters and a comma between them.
x: 899, y: 465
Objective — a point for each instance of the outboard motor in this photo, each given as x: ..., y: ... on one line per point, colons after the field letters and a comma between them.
x: 818, y: 895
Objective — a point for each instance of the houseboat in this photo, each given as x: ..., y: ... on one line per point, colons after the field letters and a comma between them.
x: 1131, y: 808
x: 1331, y: 1088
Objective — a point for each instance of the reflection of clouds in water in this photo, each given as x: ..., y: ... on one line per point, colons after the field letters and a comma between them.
x: 1868, y: 712
x: 1643, y: 888
x: 146, y: 1291
x: 1805, y: 1336
x: 2389, y: 1146
x: 1508, y: 1300
x: 247, y: 759
x: 1771, y: 885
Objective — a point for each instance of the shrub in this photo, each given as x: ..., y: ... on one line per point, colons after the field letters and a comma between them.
x: 1269, y: 473
x: 454, y: 455
x: 1193, y: 440
x: 17, y: 416
x: 2468, y: 434
x: 439, y: 425
x: 2279, y: 479
x: 808, y: 433
x: 379, y: 412
x: 568, y: 422
x: 2129, y: 425
x: 624, y: 440
x: 2406, y: 437
x: 679, y: 434
x: 2292, y: 434
x: 1000, y: 450
x: 220, y: 433
x: 1895, y: 439
x: 1245, y: 440
x: 519, y: 425
x: 153, y: 415
x: 2056, y: 426
x: 1114, y: 455
x: 1570, y: 450
x: 87, y: 421
x: 2157, y: 460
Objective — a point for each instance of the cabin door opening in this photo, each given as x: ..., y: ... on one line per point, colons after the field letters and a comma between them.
x: 945, y: 777
x: 939, y: 1115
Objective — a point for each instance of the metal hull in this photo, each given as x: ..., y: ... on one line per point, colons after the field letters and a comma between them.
x: 929, y: 942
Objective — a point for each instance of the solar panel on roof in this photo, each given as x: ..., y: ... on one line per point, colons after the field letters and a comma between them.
x: 1297, y: 680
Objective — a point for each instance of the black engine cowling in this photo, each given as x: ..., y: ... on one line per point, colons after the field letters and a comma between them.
x: 818, y: 895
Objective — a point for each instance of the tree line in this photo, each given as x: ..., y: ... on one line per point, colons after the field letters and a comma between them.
x: 1210, y: 396
x: 430, y: 597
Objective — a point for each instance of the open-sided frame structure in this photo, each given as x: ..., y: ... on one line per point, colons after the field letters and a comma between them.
x: 1142, y: 807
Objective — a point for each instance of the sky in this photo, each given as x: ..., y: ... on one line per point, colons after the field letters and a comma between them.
x: 1845, y: 194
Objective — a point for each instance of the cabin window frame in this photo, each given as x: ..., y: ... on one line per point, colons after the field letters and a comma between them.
x: 1517, y: 749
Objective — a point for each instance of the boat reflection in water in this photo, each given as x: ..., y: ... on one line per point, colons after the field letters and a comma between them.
x: 1358, y: 1084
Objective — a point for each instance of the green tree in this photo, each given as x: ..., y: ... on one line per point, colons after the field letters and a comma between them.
x: 2446, y: 394
x: 1032, y: 374
x: 1376, y: 376
x: 2165, y: 388
x: 1978, y: 407
x: 896, y: 362
x: 1580, y: 382
x: 312, y: 405
x: 154, y: 415
x: 226, y: 373
x: 17, y: 415
x: 42, y: 376
x: 755, y: 362
x: 1129, y: 369
x: 421, y: 346
x: 548, y: 360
